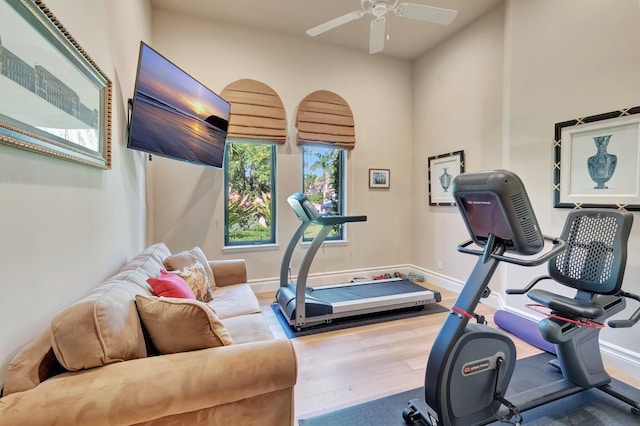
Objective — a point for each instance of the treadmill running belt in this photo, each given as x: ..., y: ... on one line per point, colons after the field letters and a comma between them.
x: 362, y: 291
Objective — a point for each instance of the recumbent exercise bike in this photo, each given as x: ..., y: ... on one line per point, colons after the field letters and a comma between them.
x: 470, y: 364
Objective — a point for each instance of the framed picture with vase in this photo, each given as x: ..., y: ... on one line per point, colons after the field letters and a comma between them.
x: 597, y: 161
x: 442, y: 169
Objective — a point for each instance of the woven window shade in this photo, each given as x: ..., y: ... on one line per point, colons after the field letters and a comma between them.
x: 256, y: 112
x: 324, y: 118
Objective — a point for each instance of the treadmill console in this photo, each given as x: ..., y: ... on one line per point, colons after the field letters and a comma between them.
x: 306, y: 212
x: 302, y: 207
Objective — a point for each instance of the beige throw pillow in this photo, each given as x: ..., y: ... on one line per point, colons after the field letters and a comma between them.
x: 196, y: 277
x: 188, y: 258
x: 102, y: 328
x: 181, y: 325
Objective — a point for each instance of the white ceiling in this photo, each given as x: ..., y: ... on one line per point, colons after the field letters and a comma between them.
x: 408, y: 39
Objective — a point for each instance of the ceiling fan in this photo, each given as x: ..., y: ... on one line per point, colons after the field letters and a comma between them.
x: 379, y: 9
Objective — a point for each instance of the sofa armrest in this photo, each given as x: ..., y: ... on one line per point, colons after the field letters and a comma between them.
x: 229, y: 272
x: 32, y: 364
x: 145, y: 389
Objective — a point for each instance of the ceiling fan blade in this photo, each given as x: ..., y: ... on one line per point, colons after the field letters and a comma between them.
x: 377, y: 35
x: 341, y: 20
x: 421, y: 12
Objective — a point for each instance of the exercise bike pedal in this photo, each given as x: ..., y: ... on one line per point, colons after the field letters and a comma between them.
x: 415, y: 414
x: 413, y: 418
x: 409, y: 416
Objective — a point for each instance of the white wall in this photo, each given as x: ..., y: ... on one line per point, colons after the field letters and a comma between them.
x: 457, y: 106
x: 188, y: 203
x: 569, y: 59
x: 496, y: 90
x: 66, y: 226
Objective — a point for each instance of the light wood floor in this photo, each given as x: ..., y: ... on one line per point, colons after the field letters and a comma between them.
x: 343, y: 368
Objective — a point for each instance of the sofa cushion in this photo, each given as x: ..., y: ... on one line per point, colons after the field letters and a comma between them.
x: 196, y: 277
x: 188, y: 258
x: 100, y: 329
x: 248, y: 328
x: 170, y: 285
x: 104, y: 327
x: 144, y: 265
x: 234, y: 300
x: 180, y: 325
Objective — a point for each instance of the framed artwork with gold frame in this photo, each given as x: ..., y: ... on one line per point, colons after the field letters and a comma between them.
x: 55, y: 99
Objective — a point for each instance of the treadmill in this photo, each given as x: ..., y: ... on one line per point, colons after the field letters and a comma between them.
x: 305, y: 307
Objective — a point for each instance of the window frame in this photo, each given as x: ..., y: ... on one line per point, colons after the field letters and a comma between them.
x: 342, y: 204
x: 273, y: 229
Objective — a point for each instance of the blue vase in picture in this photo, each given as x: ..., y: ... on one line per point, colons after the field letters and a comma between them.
x: 445, y: 180
x: 601, y: 165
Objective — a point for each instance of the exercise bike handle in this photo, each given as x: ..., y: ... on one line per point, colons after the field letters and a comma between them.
x: 633, y: 319
x: 559, y: 245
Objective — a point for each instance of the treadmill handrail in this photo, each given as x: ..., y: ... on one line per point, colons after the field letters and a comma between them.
x: 285, y: 266
x: 338, y: 220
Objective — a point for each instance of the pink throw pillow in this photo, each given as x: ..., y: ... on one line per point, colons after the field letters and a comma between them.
x: 170, y: 285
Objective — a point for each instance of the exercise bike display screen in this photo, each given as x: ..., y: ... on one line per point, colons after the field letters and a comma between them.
x: 485, y: 216
x: 496, y: 203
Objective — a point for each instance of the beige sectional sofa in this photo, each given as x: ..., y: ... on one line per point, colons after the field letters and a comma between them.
x: 98, y: 365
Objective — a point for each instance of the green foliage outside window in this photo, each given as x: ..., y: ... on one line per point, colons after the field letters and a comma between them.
x: 249, y: 178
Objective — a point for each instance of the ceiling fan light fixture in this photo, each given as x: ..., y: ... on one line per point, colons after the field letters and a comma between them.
x: 379, y: 9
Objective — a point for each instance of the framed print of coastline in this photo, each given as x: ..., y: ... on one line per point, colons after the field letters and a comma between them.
x: 442, y: 169
x: 55, y: 100
x: 379, y: 178
x: 597, y: 161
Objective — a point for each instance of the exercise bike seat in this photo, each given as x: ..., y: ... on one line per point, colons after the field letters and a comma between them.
x: 566, y: 306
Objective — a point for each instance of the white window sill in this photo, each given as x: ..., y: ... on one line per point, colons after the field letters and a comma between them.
x: 250, y: 247
x: 327, y: 242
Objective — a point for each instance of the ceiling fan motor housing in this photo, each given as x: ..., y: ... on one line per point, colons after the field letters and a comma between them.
x: 378, y: 8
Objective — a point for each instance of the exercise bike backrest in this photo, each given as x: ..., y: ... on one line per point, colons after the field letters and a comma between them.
x: 596, y: 253
x: 593, y: 263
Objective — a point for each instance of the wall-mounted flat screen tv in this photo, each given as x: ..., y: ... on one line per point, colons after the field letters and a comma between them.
x: 175, y: 116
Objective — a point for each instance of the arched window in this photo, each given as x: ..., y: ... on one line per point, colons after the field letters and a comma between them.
x: 325, y: 132
x: 257, y: 124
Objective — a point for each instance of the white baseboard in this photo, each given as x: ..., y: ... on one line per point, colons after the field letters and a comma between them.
x: 454, y: 285
x: 620, y: 359
x: 614, y: 356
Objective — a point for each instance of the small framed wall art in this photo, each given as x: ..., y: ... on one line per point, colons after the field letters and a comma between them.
x: 597, y: 161
x: 379, y: 178
x: 442, y: 169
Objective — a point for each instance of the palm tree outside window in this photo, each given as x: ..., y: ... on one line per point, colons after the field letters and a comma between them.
x: 323, y: 174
